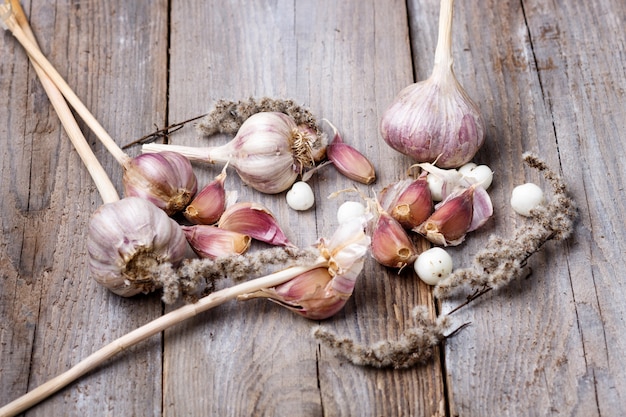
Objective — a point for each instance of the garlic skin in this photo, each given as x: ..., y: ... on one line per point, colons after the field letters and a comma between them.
x: 254, y: 220
x: 212, y: 242
x: 268, y: 152
x: 165, y: 179
x: 209, y: 204
x: 451, y: 220
x: 435, y: 119
x: 127, y: 239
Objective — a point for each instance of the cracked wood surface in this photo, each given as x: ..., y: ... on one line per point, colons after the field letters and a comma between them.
x: 548, y: 77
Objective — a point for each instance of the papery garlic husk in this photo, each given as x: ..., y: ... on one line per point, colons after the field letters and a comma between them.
x: 435, y: 119
x: 348, y: 161
x: 451, y: 220
x: 408, y: 201
x: 165, y: 179
x: 254, y: 220
x: 127, y: 239
x: 212, y: 242
x: 209, y: 204
x: 322, y: 292
x: 318, y: 150
x: 391, y: 245
x: 268, y: 152
x: 448, y: 179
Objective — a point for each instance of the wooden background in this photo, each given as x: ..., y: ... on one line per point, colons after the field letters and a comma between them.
x: 549, y: 77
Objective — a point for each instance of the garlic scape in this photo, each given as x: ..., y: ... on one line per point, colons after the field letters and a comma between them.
x: 126, y: 242
x: 435, y: 119
x: 321, y: 292
x: 268, y: 152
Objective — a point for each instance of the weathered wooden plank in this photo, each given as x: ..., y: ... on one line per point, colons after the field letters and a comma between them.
x: 53, y: 314
x: 345, y: 61
x: 547, y: 345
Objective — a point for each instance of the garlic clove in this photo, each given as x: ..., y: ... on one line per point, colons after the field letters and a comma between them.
x: 322, y: 292
x: 482, y: 208
x: 254, y: 220
x: 348, y: 161
x: 209, y: 204
x: 212, y: 242
x: 127, y: 240
x: 526, y: 197
x: 433, y: 265
x: 350, y: 210
x: 391, y: 245
x: 442, y: 182
x: 309, y: 294
x: 477, y: 174
x: 451, y: 220
x: 408, y: 201
x: 165, y: 179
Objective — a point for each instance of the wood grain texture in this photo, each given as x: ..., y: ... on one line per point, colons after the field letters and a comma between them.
x: 53, y: 314
x: 548, y: 77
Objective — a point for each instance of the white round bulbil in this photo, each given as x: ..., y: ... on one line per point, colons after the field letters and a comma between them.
x: 433, y: 265
x: 349, y: 210
x: 526, y: 197
x: 477, y: 174
x: 300, y: 197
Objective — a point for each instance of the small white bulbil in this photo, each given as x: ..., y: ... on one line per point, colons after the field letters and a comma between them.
x: 477, y: 174
x: 300, y: 197
x: 433, y: 265
x: 526, y: 197
x: 350, y: 210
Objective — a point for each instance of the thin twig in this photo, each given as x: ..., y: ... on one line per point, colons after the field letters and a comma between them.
x: 161, y: 133
x: 471, y: 298
x: 156, y: 326
x: 98, y: 174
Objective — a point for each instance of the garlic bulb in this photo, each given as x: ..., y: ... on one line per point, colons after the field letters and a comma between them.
x: 127, y: 240
x: 268, y: 152
x: 165, y: 179
x: 435, y: 119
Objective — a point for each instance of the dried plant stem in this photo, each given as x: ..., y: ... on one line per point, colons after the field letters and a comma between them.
x: 98, y: 174
x: 10, y: 22
x: 156, y: 326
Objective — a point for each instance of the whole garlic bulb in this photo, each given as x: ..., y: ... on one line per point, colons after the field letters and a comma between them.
x: 268, y: 152
x: 435, y: 119
x: 127, y: 239
x: 165, y: 179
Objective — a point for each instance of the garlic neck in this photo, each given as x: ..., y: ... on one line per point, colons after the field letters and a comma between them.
x: 443, y: 53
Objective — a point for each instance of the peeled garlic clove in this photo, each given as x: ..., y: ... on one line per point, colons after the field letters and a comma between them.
x: 433, y: 265
x: 350, y: 210
x: 254, y: 220
x: 526, y: 197
x: 451, y: 220
x: 477, y: 174
x: 408, y: 201
x: 442, y: 182
x: 301, y: 196
x: 212, y: 242
x: 127, y: 240
x: 348, y: 161
x: 209, y: 204
x: 165, y: 179
x: 391, y: 246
